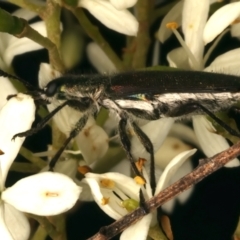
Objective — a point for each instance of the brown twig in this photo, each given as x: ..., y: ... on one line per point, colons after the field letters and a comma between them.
x: 205, y: 168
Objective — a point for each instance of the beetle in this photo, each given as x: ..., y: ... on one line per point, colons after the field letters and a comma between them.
x: 149, y: 95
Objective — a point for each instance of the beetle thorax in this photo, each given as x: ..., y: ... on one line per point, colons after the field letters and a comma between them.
x: 81, y: 91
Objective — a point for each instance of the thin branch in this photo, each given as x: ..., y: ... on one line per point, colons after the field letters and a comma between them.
x: 32, y: 34
x: 38, y: 162
x: 24, y: 167
x: 44, y: 222
x: 143, y: 10
x: 206, y: 167
x: 53, y: 23
x: 93, y: 32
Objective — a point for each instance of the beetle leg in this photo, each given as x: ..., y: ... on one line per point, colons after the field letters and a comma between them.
x: 41, y: 124
x: 78, y: 127
x: 127, y: 144
x: 191, y: 107
x: 147, y: 144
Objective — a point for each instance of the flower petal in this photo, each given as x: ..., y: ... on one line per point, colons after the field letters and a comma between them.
x: 93, y: 142
x: 18, y: 46
x: 16, y: 116
x: 172, y: 168
x: 113, y: 207
x: 46, y: 74
x: 62, y: 119
x: 184, y: 196
x: 99, y: 59
x: 138, y: 230
x: 24, y: 13
x: 178, y: 58
x: 122, y: 167
x: 156, y: 131
x: 174, y: 15
x: 16, y: 223
x: 5, y: 234
x: 235, y: 30
x: 222, y: 18
x: 121, y: 21
x: 227, y: 63
x: 171, y: 148
x: 6, y: 89
x: 43, y: 194
x: 124, y: 186
x: 122, y: 4
x: 67, y: 167
x: 195, y: 15
x: 210, y: 142
x: 185, y: 133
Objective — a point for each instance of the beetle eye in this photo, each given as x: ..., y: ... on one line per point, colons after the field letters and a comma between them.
x: 51, y: 89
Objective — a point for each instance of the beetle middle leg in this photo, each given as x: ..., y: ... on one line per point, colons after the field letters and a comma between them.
x: 147, y: 144
x: 127, y: 144
x: 78, y: 127
x: 145, y: 141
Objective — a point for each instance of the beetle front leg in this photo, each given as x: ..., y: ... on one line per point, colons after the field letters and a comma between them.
x: 41, y: 124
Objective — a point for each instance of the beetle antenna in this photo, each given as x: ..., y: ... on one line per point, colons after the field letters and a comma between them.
x: 25, y: 83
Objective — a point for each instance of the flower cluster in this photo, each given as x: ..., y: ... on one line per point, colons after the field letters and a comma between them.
x: 115, y: 192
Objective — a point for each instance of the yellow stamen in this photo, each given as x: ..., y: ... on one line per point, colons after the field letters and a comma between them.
x: 172, y: 25
x: 105, y: 200
x: 51, y: 194
x: 139, y: 180
x: 236, y: 21
x: 195, y: 64
x: 140, y: 164
x: 107, y: 183
x: 84, y: 169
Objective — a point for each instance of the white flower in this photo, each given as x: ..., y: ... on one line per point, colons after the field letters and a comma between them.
x: 221, y: 19
x: 99, y: 59
x: 16, y: 116
x: 92, y: 140
x: 11, y: 46
x: 112, y: 191
x: 175, y: 15
x: 210, y: 142
x: 122, y: 4
x: 119, y: 20
x: 13, y: 224
x: 6, y: 89
x: 43, y: 194
x: 156, y: 131
x: 197, y: 31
